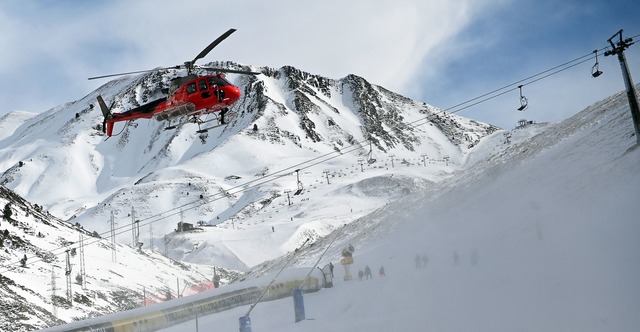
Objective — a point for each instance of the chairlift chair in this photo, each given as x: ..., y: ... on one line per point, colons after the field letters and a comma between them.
x: 523, y: 100
x: 370, y: 159
x: 595, y: 70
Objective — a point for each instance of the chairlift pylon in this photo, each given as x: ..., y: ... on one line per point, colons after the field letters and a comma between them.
x: 523, y: 100
x: 595, y: 70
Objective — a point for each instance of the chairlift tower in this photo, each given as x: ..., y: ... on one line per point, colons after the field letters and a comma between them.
x: 507, y: 136
x: 138, y: 244
x: 326, y: 174
x: 83, y: 272
x: 67, y: 272
x: 618, y: 49
x: 287, y: 191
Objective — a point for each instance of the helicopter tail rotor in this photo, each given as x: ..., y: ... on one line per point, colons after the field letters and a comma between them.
x: 106, y: 112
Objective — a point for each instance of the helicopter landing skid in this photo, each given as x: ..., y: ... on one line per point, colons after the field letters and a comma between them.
x: 204, y: 130
x: 227, y: 118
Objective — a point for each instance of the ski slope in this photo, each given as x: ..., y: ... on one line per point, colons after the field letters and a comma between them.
x: 541, y: 237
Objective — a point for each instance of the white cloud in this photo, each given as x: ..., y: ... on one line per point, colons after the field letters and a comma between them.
x: 439, y: 51
x: 381, y: 41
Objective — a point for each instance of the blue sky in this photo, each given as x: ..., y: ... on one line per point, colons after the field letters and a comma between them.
x: 441, y: 52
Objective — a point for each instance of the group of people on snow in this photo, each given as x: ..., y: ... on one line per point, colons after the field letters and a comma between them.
x: 366, y: 274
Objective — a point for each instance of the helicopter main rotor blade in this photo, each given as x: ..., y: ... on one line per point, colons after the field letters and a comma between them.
x: 188, y: 65
x: 233, y: 71
x: 212, y: 45
x: 134, y: 72
x: 121, y: 74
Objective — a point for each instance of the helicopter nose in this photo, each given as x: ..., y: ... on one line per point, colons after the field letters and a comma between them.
x: 232, y: 94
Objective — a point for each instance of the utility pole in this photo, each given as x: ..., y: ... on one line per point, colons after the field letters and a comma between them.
x: 361, y: 167
x: 618, y: 49
x: 424, y: 159
x: 54, y: 309
x: 133, y: 227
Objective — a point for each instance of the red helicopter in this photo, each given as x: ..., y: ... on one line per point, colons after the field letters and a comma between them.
x: 190, y: 95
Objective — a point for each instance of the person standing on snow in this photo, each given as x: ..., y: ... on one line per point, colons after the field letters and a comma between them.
x: 367, y: 273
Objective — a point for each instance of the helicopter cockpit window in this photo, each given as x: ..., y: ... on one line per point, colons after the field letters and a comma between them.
x: 191, y: 88
x: 218, y: 81
x: 202, y: 84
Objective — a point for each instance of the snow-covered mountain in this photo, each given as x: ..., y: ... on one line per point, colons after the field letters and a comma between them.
x: 310, y: 129
x: 38, y: 288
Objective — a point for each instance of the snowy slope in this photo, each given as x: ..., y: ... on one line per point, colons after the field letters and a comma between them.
x: 540, y: 237
x: 235, y: 177
x: 11, y: 121
x: 34, y: 294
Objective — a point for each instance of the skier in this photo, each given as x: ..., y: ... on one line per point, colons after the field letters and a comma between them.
x: 382, y: 272
x: 331, y: 268
x: 360, y: 275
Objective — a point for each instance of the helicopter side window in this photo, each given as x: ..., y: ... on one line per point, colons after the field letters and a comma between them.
x: 212, y: 83
x: 202, y: 84
x: 191, y: 88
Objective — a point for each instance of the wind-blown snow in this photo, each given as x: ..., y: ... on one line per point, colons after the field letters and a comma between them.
x: 540, y: 237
